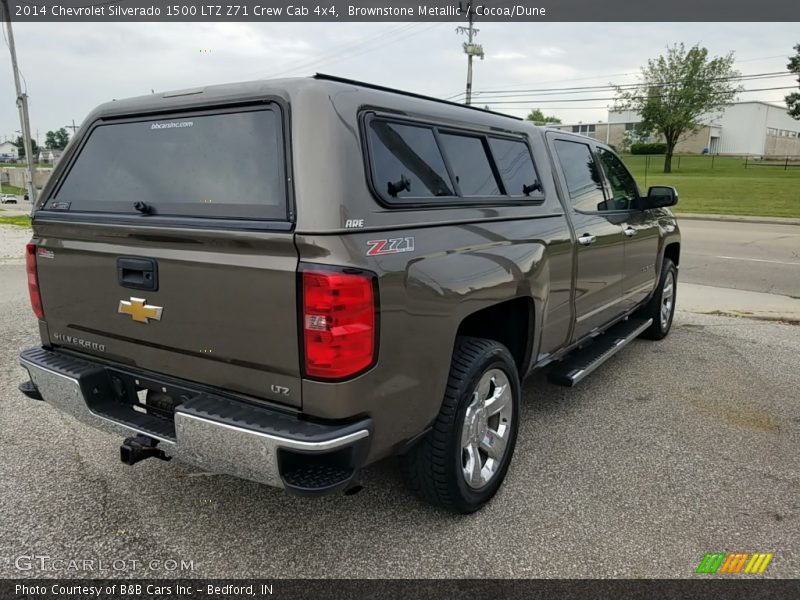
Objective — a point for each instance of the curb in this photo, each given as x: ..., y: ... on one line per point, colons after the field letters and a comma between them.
x: 786, y: 319
x: 738, y: 218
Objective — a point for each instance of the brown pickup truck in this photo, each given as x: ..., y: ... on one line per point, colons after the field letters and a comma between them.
x: 288, y: 280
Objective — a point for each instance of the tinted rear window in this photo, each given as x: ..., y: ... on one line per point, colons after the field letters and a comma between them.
x: 470, y: 165
x: 407, y: 153
x: 514, y: 162
x: 422, y: 162
x: 210, y: 165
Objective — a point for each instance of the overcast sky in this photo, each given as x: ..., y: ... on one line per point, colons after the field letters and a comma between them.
x: 70, y: 68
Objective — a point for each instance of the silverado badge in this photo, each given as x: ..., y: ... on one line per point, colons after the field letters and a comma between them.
x: 139, y: 310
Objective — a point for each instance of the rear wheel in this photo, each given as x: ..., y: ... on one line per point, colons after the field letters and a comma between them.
x: 462, y: 461
x: 661, y: 307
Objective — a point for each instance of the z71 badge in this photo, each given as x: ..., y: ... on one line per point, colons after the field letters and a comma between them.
x: 390, y: 246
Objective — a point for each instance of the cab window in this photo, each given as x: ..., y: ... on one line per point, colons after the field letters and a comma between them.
x: 623, y: 187
x: 584, y: 182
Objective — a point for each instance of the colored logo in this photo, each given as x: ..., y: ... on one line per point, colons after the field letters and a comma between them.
x: 390, y: 246
x: 735, y: 562
x: 139, y: 310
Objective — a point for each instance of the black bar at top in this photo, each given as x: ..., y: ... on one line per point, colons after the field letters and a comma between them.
x: 514, y: 11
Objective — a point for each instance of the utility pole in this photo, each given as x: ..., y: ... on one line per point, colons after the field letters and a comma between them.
x: 470, y: 49
x: 73, y: 127
x: 22, y: 104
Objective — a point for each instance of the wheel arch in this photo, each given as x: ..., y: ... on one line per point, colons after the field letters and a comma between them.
x: 510, y: 323
x: 672, y: 251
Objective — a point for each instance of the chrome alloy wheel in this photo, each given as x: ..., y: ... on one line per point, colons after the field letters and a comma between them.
x: 486, y: 429
x: 667, y: 299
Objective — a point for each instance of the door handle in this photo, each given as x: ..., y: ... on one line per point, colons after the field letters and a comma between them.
x: 630, y: 231
x: 586, y: 239
x: 137, y: 273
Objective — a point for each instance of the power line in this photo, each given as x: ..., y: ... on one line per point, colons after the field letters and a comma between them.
x: 399, y: 32
x: 383, y: 43
x: 555, y: 107
x: 592, y: 78
x: 596, y: 77
x: 539, y: 101
x: 761, y: 58
x: 303, y: 63
x: 631, y: 86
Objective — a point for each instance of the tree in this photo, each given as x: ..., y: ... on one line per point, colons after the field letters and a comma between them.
x: 21, y: 147
x: 676, y: 89
x: 793, y: 99
x: 50, y: 140
x: 56, y: 140
x: 538, y: 117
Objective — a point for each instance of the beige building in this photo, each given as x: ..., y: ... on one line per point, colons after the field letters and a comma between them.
x: 614, y: 134
x: 742, y: 128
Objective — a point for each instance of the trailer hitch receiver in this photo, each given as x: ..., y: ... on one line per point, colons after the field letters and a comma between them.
x: 140, y: 447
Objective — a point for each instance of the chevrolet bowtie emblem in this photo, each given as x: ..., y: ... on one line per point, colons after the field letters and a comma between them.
x: 139, y: 310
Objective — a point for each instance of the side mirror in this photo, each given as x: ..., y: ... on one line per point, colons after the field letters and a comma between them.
x: 660, y: 196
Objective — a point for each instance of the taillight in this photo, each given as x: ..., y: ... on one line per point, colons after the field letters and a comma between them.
x: 338, y: 323
x: 33, y: 281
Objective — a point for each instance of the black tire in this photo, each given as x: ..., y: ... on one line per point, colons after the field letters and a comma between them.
x: 652, y: 310
x: 434, y: 467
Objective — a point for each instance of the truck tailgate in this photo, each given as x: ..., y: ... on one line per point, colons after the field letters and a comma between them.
x: 227, y: 299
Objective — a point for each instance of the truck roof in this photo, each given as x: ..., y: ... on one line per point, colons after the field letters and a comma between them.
x: 324, y: 144
x: 288, y: 88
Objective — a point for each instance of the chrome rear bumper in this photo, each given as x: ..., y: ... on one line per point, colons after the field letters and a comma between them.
x: 215, y: 434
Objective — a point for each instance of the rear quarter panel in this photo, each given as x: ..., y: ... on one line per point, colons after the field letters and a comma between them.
x: 454, y: 271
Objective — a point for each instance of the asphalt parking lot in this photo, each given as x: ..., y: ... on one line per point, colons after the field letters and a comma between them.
x: 668, y: 451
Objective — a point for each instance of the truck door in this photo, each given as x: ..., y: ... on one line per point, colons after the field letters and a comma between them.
x: 640, y: 228
x: 600, y: 241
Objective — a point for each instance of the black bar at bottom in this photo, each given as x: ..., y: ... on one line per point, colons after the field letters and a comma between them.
x: 733, y: 587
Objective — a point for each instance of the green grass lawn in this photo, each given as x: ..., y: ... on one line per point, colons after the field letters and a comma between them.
x: 23, y: 165
x: 10, y: 189
x: 727, y: 188
x: 19, y: 221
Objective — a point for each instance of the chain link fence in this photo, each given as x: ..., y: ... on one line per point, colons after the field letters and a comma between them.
x: 644, y: 165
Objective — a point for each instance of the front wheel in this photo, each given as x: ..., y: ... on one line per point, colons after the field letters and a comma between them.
x: 661, y: 307
x: 462, y: 461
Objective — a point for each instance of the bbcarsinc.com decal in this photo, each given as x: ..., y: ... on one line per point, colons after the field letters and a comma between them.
x: 171, y: 125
